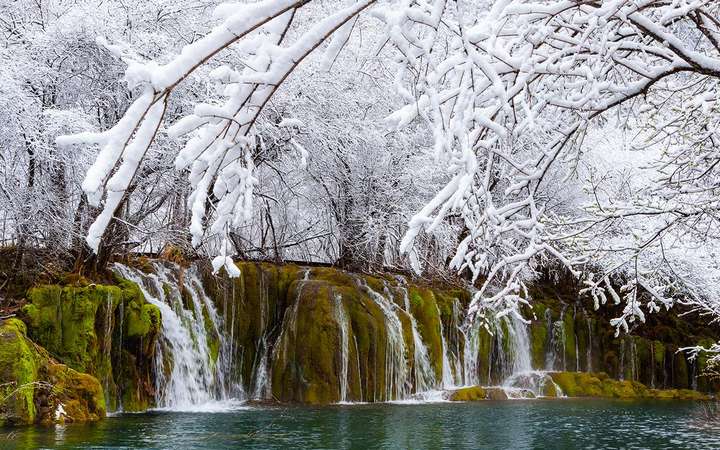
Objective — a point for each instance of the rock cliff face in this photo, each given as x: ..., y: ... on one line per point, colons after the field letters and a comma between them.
x: 568, y: 335
x: 322, y: 335
x: 108, y: 331
x: 167, y: 335
x: 37, y: 389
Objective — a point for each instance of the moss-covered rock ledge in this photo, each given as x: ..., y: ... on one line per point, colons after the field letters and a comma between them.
x: 108, y: 331
x: 34, y: 388
x: 581, y: 384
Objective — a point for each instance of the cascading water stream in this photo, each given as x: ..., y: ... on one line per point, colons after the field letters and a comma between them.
x: 186, y: 375
x: 447, y: 376
x: 471, y: 352
x: 260, y: 371
x: 344, y: 324
x: 396, y: 377
x: 423, y: 372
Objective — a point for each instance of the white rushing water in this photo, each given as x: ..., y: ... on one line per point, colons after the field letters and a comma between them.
x: 342, y: 320
x: 423, y: 373
x: 447, y: 376
x: 186, y: 377
x: 396, y: 375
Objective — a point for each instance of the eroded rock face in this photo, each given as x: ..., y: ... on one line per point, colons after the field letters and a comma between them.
x: 322, y: 335
x: 34, y: 388
x: 108, y: 331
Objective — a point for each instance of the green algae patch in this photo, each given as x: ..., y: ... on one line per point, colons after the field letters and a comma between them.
x: 469, y: 394
x: 583, y: 384
x: 36, y: 389
x: 89, y: 327
x: 18, y: 373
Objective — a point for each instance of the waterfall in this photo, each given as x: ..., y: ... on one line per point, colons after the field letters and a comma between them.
x: 471, y: 350
x: 186, y: 375
x: 447, y: 377
x: 531, y: 384
x: 343, y: 322
x: 589, y: 342
x: 197, y: 354
x: 260, y: 376
x: 555, y: 359
x: 395, y: 362
x: 423, y: 372
x: 520, y: 345
x: 457, y: 336
x: 289, y: 323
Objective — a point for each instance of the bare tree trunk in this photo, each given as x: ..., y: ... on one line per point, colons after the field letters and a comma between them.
x: 23, y: 231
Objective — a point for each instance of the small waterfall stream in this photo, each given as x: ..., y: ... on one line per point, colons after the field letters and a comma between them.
x: 185, y: 374
x: 396, y: 375
x: 423, y: 373
x: 343, y: 321
x: 447, y: 376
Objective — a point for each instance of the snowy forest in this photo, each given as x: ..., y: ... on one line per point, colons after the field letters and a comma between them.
x: 500, y: 147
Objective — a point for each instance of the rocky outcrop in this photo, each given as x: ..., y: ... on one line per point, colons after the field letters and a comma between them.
x: 583, y: 384
x: 323, y: 335
x: 575, y: 384
x: 35, y: 388
x: 108, y: 331
x: 567, y: 334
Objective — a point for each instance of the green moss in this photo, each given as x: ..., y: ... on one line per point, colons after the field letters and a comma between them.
x: 549, y: 389
x: 63, y: 320
x: 142, y: 319
x: 135, y: 396
x: 80, y: 326
x: 581, y: 384
x: 18, y: 370
x: 80, y: 394
x: 469, y: 394
x: 32, y: 385
x: 427, y: 314
x: 484, y: 348
x: 376, y: 284
x: 213, y: 340
x: 307, y: 371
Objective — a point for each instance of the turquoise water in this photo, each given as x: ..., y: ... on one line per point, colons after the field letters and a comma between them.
x: 590, y: 424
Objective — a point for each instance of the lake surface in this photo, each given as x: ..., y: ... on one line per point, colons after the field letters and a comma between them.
x: 518, y: 424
